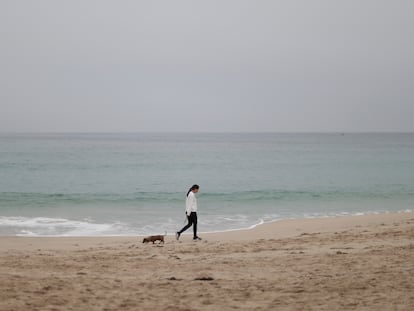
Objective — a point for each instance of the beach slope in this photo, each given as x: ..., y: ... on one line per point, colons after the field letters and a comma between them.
x: 343, y: 263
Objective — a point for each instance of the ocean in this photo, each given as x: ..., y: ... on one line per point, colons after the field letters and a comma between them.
x: 128, y: 184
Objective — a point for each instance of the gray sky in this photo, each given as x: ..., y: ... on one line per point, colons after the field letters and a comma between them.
x: 295, y: 66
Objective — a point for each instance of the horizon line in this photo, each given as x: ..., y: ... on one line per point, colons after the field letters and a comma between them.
x: 204, y: 132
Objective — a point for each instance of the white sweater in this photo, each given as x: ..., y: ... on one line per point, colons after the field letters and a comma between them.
x: 190, y: 203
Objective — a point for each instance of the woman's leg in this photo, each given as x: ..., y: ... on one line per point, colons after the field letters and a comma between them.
x: 190, y: 222
x: 194, y: 220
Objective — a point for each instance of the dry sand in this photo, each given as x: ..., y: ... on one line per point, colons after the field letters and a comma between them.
x: 344, y: 263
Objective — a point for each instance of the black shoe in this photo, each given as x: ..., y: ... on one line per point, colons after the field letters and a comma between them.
x: 197, y: 238
x: 177, y: 236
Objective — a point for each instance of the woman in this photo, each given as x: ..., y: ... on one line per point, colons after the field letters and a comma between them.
x: 191, y: 212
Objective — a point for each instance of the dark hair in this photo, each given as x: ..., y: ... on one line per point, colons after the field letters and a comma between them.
x: 192, y: 188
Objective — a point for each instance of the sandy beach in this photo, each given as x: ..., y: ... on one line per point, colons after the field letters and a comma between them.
x: 344, y: 263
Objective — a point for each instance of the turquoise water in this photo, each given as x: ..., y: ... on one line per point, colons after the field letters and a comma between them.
x: 134, y: 184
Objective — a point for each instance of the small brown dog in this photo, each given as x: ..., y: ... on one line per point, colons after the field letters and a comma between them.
x: 154, y: 238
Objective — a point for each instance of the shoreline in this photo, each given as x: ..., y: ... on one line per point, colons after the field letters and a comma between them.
x: 276, y: 229
x: 251, y: 227
x: 254, y: 226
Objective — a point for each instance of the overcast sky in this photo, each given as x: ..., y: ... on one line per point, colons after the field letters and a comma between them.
x: 282, y: 66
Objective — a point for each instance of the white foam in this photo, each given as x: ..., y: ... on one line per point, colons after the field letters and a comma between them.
x: 44, y: 226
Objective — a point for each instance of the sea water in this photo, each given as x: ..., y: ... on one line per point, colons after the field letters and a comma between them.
x: 135, y: 183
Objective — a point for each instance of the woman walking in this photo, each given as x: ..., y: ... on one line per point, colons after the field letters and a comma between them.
x: 191, y: 212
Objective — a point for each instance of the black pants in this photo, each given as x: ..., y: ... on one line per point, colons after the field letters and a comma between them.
x: 192, y: 220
